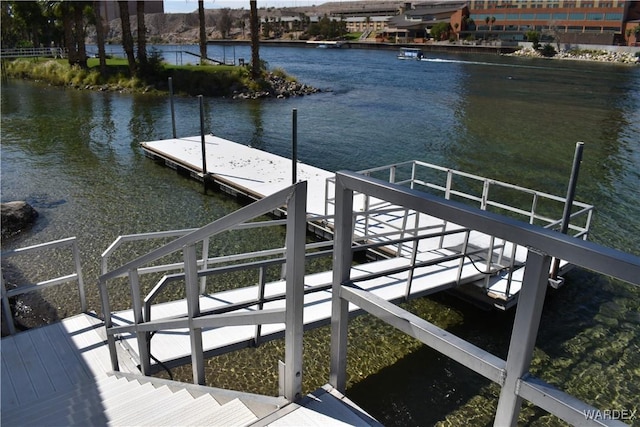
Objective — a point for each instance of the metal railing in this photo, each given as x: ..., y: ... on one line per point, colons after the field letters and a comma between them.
x: 76, y: 275
x: 542, y: 245
x: 33, y: 52
x: 457, y: 185
x: 534, y: 207
x: 294, y: 198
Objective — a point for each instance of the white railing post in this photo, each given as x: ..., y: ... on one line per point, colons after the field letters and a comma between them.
x: 342, y: 257
x: 78, y: 268
x: 295, y: 267
x: 8, y: 317
x: 143, y: 341
x: 205, y: 258
x: 193, y: 310
x: 523, y: 335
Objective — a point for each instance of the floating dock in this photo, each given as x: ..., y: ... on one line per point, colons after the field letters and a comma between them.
x: 238, y: 169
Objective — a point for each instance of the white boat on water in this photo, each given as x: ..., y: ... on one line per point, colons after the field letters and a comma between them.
x: 410, y: 53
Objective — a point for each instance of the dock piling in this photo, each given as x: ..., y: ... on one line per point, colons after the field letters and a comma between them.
x: 294, y: 150
x: 204, y: 151
x: 173, y: 111
x: 566, y: 215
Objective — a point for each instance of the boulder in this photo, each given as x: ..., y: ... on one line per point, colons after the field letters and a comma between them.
x: 17, y: 216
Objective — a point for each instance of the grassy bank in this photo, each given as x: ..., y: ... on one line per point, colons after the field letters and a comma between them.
x: 207, y: 80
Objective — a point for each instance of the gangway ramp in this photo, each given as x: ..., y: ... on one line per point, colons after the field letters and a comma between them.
x: 386, y: 278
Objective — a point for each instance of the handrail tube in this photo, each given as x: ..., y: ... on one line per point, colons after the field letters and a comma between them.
x: 561, y: 404
x: 76, y: 276
x: 396, y: 231
x: 416, y: 266
x: 407, y: 239
x: 166, y: 280
x: 41, y: 285
x: 175, y: 233
x: 481, y: 361
x: 582, y: 253
x: 34, y: 248
x: 223, y: 224
x: 268, y: 316
x: 474, y: 177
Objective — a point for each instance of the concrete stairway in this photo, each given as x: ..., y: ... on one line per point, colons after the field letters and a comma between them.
x: 119, y: 400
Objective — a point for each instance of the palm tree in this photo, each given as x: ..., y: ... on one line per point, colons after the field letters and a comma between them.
x: 255, y: 40
x: 203, y: 32
x: 142, y: 34
x: 67, y: 25
x: 100, y: 37
x: 78, y: 33
x: 127, y: 38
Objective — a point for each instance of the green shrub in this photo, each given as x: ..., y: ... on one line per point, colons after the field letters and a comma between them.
x: 548, y: 51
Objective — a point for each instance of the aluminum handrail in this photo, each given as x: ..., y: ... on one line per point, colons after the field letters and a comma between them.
x: 75, y: 276
x: 511, y: 374
x: 585, y: 208
x: 294, y: 198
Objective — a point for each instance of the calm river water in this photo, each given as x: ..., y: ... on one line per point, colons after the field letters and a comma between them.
x: 74, y: 155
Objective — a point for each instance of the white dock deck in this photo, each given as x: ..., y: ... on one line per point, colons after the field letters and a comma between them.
x: 248, y: 170
x: 173, y: 347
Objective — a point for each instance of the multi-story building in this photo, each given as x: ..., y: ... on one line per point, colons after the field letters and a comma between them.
x: 566, y: 21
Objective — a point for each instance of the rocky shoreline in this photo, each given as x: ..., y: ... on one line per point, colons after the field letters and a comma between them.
x: 583, y: 55
x: 280, y: 88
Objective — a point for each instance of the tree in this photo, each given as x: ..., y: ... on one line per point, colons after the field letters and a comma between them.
x: 255, y: 40
x: 100, y: 38
x: 142, y: 35
x: 203, y: 32
x: 67, y: 24
x: 534, y: 38
x: 440, y: 31
x: 79, y: 34
x: 224, y: 22
x: 127, y: 38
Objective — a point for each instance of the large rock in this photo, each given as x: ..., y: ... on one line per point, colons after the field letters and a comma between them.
x: 17, y: 216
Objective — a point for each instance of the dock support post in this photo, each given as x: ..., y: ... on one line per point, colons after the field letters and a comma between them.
x: 342, y: 258
x: 193, y: 311
x: 294, y: 150
x: 523, y: 336
x: 173, y: 111
x: 571, y: 193
x: 294, y: 324
x: 204, y: 151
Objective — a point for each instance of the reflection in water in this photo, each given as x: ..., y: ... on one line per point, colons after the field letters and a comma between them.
x: 257, y: 134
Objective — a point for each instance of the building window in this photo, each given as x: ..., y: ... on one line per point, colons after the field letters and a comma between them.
x: 613, y: 16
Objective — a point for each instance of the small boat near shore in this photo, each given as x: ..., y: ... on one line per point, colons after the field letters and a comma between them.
x: 410, y: 53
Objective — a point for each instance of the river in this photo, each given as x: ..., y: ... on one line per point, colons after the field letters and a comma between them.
x: 74, y: 156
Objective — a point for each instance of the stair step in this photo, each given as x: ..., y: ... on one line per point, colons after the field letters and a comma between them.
x: 84, y: 394
x: 233, y: 413
x: 161, y: 399
x: 184, y: 415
